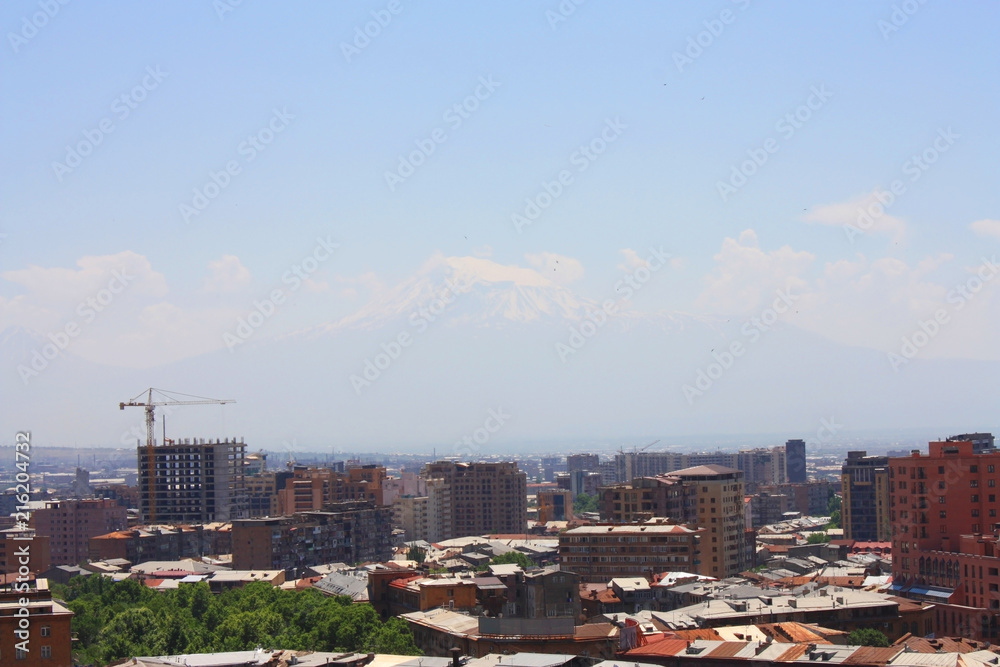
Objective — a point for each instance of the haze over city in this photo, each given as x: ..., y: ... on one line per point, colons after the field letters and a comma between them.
x: 588, y: 226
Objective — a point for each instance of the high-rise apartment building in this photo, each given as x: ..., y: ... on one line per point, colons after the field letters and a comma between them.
x: 477, y: 498
x: 945, y: 534
x: 809, y: 498
x: 313, y: 488
x: 349, y: 532
x: 865, y: 490
x: 720, y: 511
x: 795, y: 458
x: 602, y: 552
x: 555, y: 505
x: 759, y: 466
x: 262, y: 494
x: 410, y: 514
x: 583, y: 462
x: 709, y: 496
x: 550, y: 466
x: 192, y: 481
x: 69, y: 525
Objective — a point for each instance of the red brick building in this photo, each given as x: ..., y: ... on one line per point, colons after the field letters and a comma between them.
x: 69, y: 525
x: 314, y: 488
x: 943, y: 510
x: 14, y: 542
x: 49, y: 640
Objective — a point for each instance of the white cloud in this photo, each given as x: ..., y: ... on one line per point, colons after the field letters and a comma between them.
x: 52, y: 295
x: 865, y: 213
x: 745, y: 276
x: 227, y: 274
x: 560, y: 269
x: 860, y: 302
x: 631, y: 260
x: 57, y: 285
x: 986, y: 227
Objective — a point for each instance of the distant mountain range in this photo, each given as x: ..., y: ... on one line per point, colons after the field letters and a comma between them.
x: 494, y: 345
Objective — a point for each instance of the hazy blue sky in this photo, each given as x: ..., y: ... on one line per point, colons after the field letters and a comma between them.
x: 888, y: 92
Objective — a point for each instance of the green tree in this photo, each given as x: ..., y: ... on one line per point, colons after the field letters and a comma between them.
x: 817, y: 538
x: 393, y: 637
x: 867, y: 637
x: 416, y: 553
x: 585, y: 502
x: 119, y: 620
x: 513, y: 558
x: 134, y: 631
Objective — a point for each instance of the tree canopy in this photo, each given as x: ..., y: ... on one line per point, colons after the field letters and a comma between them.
x: 513, y: 558
x: 585, y: 502
x: 817, y: 538
x: 116, y: 620
x: 867, y: 637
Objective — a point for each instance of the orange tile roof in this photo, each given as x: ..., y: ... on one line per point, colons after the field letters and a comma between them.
x: 664, y: 647
x: 793, y: 632
x: 944, y: 644
x: 607, y: 597
x: 845, y: 582
x: 873, y: 655
x: 403, y: 581
x: 727, y: 650
x: 589, y: 630
x: 306, y: 582
x: 700, y: 633
x: 794, y: 652
x: 117, y: 535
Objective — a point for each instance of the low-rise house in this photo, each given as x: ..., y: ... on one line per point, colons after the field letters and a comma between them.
x: 438, y: 631
x: 634, y: 592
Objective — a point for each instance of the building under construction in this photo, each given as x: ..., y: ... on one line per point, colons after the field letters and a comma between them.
x: 192, y: 481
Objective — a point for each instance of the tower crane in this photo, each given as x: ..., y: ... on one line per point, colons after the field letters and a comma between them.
x: 636, y: 450
x: 624, y: 465
x: 150, y: 405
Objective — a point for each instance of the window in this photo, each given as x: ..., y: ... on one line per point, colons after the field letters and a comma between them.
x: 20, y: 654
x: 940, y: 470
x: 46, y: 652
x: 973, y: 468
x: 942, y: 514
x: 975, y: 512
x: 974, y: 483
x: 989, y: 468
x: 975, y: 498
